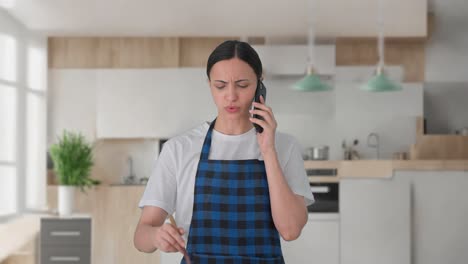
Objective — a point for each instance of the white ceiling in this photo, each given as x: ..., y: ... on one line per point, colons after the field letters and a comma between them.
x: 216, y: 17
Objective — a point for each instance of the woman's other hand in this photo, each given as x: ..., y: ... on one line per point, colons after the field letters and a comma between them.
x: 168, y: 238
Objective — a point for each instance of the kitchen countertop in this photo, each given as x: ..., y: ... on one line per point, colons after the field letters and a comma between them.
x: 379, y: 168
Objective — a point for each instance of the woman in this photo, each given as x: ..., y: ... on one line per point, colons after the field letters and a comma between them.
x: 234, y: 190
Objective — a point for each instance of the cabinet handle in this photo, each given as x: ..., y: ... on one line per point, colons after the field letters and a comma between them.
x: 65, y: 233
x: 61, y: 258
x: 320, y: 189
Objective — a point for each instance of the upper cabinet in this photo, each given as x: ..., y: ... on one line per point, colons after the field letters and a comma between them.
x: 151, y: 103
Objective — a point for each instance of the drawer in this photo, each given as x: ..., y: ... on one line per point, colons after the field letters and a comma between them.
x: 65, y: 232
x: 66, y: 255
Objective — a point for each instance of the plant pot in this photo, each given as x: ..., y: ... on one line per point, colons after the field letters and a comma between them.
x: 66, y: 199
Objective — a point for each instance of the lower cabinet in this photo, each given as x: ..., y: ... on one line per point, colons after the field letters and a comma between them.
x: 375, y: 221
x: 318, y: 243
x: 65, y: 240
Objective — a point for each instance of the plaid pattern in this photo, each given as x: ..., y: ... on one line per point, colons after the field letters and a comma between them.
x: 231, y: 221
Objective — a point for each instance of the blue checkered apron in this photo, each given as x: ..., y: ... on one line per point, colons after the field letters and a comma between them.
x: 231, y: 220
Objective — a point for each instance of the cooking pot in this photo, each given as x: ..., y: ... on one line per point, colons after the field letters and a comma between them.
x: 318, y: 153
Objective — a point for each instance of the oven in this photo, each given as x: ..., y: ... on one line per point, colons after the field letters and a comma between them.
x: 326, y: 197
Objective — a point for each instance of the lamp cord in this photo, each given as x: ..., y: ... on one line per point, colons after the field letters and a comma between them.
x: 381, y: 33
x: 311, y: 34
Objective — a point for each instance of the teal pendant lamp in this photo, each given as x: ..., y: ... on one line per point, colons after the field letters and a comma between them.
x: 380, y: 82
x: 311, y: 82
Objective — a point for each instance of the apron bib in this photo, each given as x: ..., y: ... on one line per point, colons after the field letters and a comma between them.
x: 231, y: 220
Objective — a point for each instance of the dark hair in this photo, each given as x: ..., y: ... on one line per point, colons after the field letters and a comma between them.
x: 235, y: 49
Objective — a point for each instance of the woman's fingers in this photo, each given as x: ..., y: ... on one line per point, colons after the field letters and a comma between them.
x: 169, y: 238
x: 175, y: 233
x: 259, y: 122
x: 174, y: 243
x: 263, y: 114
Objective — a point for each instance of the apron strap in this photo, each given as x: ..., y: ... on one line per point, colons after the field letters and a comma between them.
x: 207, y: 142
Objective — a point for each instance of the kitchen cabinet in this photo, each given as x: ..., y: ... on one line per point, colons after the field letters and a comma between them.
x: 318, y: 243
x: 65, y: 240
x: 439, y: 215
x: 157, y: 103
x: 375, y: 221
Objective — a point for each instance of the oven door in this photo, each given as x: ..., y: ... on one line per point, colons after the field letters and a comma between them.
x: 326, y: 198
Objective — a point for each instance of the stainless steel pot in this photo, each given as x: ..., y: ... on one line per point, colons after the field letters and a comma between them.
x: 318, y: 153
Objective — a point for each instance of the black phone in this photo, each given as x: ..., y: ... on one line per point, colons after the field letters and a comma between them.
x: 260, y: 91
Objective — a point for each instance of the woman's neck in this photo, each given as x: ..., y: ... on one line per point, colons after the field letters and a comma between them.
x: 233, y: 126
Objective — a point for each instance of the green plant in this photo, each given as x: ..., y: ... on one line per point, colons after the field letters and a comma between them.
x: 73, y: 158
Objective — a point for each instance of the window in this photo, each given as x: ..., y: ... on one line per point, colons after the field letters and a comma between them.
x: 8, y: 126
x: 23, y: 93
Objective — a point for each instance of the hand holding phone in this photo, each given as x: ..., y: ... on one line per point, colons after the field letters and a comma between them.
x: 260, y: 91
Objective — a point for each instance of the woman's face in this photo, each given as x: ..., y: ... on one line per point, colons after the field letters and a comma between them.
x: 233, y: 83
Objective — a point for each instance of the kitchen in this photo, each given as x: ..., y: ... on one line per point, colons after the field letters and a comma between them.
x: 409, y: 145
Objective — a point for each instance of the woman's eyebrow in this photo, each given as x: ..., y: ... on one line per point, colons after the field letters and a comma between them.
x: 241, y: 80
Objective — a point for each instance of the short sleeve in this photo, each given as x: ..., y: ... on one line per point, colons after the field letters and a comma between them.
x: 161, y: 189
x: 295, y: 174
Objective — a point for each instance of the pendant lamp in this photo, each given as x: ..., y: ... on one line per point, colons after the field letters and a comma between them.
x: 311, y: 82
x: 380, y: 82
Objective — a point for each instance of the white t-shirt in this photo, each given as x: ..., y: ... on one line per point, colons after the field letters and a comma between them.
x: 172, y: 181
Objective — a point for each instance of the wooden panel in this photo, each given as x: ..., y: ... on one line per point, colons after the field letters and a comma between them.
x: 410, y: 53
x: 194, y: 52
x: 366, y: 169
x: 72, y: 52
x: 113, y: 52
x: 441, y: 147
x: 148, y: 53
x: 437, y: 165
x: 115, y: 215
x: 382, y: 168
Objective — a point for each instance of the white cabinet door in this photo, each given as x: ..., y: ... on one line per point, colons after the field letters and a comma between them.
x: 318, y: 243
x: 375, y: 221
x: 152, y: 102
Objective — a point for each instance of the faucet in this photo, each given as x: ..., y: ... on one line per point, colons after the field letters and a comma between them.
x: 375, y: 144
x: 130, y: 179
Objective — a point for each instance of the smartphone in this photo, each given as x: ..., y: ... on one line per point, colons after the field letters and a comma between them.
x: 260, y: 91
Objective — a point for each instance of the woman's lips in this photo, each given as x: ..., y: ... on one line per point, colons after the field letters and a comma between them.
x: 232, y: 109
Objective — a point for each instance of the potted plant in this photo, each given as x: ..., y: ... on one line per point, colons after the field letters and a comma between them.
x: 73, y: 159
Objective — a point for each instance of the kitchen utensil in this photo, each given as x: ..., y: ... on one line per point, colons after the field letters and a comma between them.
x: 318, y: 153
x: 349, y: 152
x: 186, y: 256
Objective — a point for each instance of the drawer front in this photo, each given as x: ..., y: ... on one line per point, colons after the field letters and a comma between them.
x: 66, y: 232
x: 66, y: 255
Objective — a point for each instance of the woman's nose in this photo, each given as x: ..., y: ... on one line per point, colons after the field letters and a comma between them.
x: 231, y: 94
